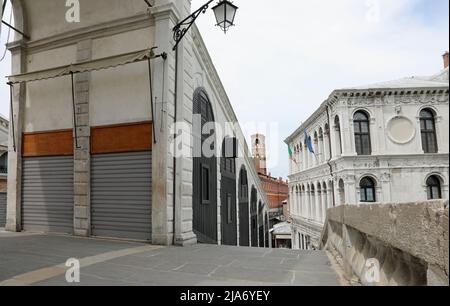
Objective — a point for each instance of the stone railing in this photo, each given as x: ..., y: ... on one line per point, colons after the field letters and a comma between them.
x: 390, y: 244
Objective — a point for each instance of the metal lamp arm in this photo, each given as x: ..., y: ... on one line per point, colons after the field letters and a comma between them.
x: 183, y: 27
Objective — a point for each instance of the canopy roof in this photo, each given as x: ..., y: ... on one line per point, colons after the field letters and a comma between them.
x: 93, y: 65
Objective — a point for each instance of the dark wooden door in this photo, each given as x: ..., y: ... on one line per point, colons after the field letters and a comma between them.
x: 254, y: 218
x: 228, y: 193
x: 244, y: 215
x: 204, y: 173
x: 261, y: 225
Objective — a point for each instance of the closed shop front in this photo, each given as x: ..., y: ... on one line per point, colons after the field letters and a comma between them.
x: 121, y: 181
x: 47, y: 182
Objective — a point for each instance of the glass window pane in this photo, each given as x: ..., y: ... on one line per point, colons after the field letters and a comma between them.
x: 358, y: 145
x: 364, y: 127
x: 366, y: 145
x: 431, y: 143
x: 363, y: 195
x: 357, y: 128
x: 422, y: 124
x: 424, y: 143
x: 370, y: 195
x: 429, y: 193
x: 430, y: 125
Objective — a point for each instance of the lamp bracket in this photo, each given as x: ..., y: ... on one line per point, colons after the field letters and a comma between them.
x: 180, y: 30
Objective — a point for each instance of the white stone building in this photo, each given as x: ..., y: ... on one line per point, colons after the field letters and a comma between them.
x: 99, y: 161
x: 385, y: 142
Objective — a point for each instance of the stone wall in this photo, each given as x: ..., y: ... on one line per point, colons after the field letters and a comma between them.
x: 408, y: 242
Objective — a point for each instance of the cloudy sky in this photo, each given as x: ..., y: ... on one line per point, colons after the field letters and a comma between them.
x: 284, y: 58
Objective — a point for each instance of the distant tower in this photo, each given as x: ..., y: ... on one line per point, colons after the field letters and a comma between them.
x: 259, y: 153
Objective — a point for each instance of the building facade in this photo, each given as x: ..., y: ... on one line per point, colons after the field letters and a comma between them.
x: 276, y: 189
x: 110, y: 152
x: 386, y: 143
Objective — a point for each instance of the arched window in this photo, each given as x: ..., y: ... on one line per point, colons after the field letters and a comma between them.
x: 361, y: 122
x: 434, y: 190
x: 367, y: 190
x: 428, y: 131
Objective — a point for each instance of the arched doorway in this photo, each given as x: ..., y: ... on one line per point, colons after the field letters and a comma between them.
x: 204, y: 199
x: 254, y: 217
x: 228, y: 192
x: 244, y: 214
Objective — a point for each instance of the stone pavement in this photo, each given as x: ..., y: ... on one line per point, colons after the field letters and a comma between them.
x: 27, y: 259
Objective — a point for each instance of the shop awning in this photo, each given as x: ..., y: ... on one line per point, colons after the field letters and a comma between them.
x: 93, y: 65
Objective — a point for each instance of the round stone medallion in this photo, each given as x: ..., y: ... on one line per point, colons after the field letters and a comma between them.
x: 401, y: 130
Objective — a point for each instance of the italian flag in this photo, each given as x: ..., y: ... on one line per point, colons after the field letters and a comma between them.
x: 291, y: 155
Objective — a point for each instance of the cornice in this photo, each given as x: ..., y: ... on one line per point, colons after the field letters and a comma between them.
x: 366, y: 96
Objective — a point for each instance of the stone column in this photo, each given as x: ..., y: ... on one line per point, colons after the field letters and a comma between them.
x: 318, y: 204
x: 320, y: 147
x: 326, y: 147
x: 82, y: 163
x: 300, y: 198
x: 14, y: 194
x: 324, y: 203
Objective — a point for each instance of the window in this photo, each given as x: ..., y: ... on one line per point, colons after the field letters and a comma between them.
x: 205, y: 185
x: 428, y: 131
x: 434, y: 191
x: 367, y: 189
x: 362, y: 133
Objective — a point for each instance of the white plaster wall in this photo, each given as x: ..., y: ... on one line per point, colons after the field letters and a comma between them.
x: 41, y: 24
x: 121, y: 94
x: 48, y: 103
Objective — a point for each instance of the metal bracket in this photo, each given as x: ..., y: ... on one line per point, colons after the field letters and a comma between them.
x: 183, y: 27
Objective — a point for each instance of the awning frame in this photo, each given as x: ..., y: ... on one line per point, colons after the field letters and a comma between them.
x: 82, y: 67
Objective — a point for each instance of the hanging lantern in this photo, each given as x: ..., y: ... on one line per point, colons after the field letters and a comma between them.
x: 225, y: 12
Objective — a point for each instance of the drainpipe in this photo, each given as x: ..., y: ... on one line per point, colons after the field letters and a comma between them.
x: 331, y: 155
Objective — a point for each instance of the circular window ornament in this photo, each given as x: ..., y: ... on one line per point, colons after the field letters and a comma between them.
x: 401, y: 130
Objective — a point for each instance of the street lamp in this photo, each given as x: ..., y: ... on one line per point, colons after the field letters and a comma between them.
x: 225, y: 11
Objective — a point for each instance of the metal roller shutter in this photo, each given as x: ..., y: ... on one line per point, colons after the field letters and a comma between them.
x: 121, y: 195
x: 2, y: 209
x: 47, y: 194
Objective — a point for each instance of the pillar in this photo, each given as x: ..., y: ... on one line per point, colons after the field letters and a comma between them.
x: 82, y: 160
x: 14, y: 194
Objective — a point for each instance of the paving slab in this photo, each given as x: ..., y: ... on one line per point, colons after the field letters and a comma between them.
x: 199, y: 265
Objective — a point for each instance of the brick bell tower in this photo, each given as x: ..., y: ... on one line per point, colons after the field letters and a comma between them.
x: 259, y: 153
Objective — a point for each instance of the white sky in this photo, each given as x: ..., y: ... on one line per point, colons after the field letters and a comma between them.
x: 283, y: 58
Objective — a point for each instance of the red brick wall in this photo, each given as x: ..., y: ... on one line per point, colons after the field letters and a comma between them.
x: 277, y: 190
